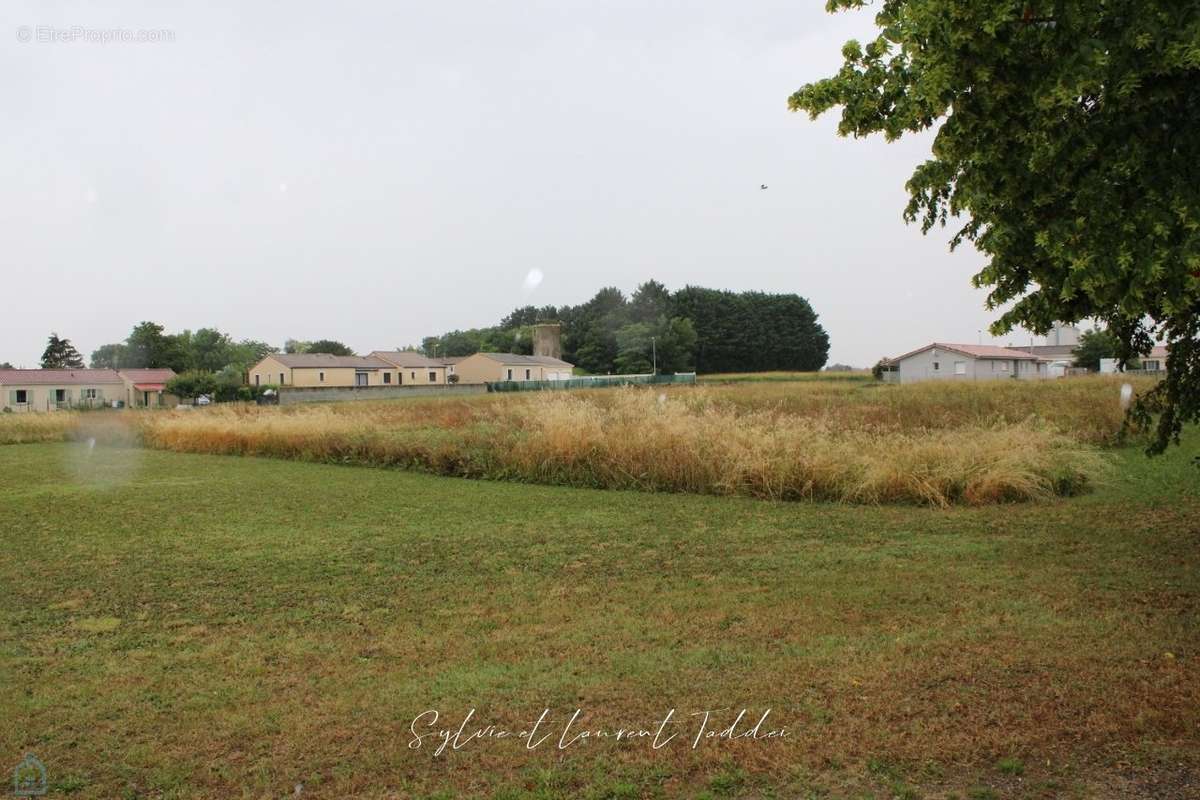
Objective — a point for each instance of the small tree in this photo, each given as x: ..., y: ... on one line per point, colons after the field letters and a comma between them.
x: 192, y: 384
x: 1093, y: 346
x: 61, y: 354
x: 227, y: 382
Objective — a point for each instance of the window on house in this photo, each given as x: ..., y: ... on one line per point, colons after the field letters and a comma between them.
x: 960, y: 368
x: 256, y: 379
x: 526, y: 374
x: 936, y: 366
x: 387, y: 377
x: 1151, y: 365
x: 89, y: 394
x: 281, y: 379
x: 413, y: 375
x: 321, y: 377
x: 432, y: 376
x: 60, y: 395
x: 510, y: 375
x: 22, y: 396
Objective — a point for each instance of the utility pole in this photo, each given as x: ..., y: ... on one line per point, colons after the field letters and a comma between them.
x: 654, y: 352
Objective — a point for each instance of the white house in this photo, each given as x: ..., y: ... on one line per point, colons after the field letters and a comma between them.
x: 964, y: 362
x: 1154, y: 361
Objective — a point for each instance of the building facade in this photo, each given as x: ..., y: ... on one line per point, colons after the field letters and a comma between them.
x: 320, y: 369
x: 495, y: 367
x: 413, y: 369
x: 59, y: 389
x: 963, y: 362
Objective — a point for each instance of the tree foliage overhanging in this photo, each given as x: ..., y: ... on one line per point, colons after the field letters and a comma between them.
x: 692, y: 329
x: 1067, y: 151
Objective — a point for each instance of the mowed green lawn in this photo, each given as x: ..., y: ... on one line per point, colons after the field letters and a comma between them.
x: 200, y: 626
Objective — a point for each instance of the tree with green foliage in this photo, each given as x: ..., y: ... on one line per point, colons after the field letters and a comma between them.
x: 331, y: 346
x: 61, y: 354
x: 650, y: 302
x: 248, y: 352
x: 1095, y: 345
x: 149, y: 347
x: 109, y: 356
x: 1067, y: 151
x: 753, y: 331
x: 664, y: 344
x: 191, y: 384
x: 692, y: 328
x: 6, y: 365
x: 209, y: 349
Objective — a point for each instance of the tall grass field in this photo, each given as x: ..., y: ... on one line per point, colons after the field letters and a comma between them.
x: 842, y: 440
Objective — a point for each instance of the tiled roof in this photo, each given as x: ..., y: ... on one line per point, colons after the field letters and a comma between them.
x: 514, y: 358
x: 973, y: 350
x: 314, y: 360
x: 57, y: 377
x: 147, y: 375
x: 1050, y: 351
x: 407, y: 358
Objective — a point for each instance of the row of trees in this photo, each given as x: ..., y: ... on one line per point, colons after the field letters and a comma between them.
x: 694, y: 328
x: 208, y: 349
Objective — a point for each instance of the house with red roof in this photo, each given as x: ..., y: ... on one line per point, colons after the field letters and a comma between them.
x: 964, y: 362
x: 147, y: 387
x: 54, y: 389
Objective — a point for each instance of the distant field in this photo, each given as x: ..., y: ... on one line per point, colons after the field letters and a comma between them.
x: 187, y: 626
x: 789, y: 377
x: 852, y: 441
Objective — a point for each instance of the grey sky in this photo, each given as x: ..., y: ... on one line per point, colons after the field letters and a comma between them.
x: 377, y: 172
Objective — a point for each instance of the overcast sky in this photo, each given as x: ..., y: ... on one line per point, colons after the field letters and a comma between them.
x: 375, y: 172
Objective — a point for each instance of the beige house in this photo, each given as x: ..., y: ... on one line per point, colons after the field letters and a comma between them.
x: 494, y: 367
x: 147, y: 387
x: 52, y: 389
x: 414, y: 369
x: 321, y: 369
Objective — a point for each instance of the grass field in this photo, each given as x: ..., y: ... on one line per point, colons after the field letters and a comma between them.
x: 179, y: 626
x: 850, y: 441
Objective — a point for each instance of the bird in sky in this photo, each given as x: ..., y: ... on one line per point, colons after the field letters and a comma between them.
x: 762, y: 186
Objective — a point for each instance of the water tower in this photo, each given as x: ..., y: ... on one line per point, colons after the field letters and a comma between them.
x: 547, y: 339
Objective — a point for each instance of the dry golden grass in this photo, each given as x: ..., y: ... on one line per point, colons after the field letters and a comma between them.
x: 927, y: 444
x: 38, y: 427
x: 1087, y: 408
